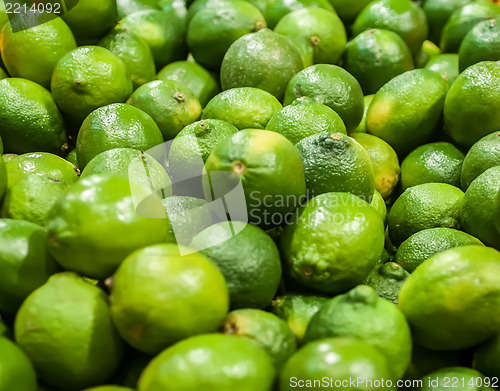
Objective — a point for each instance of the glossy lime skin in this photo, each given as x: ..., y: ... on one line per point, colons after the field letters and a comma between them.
x: 323, y: 252
x: 71, y: 346
x: 16, y: 371
x: 213, y: 362
x: 362, y: 314
x: 332, y: 86
x: 31, y: 121
x: 376, y: 56
x: 406, y: 111
x: 353, y: 359
x: 276, y: 10
x: 446, y: 65
x: 468, y: 113
x: 33, y: 53
x: 269, y: 332
x: 115, y: 126
x: 438, y: 12
x: 428, y: 242
x: 80, y: 224
x: 190, y: 289
x: 480, y: 44
x: 87, y: 78
x: 444, y: 305
x: 468, y: 379
x: 264, y: 60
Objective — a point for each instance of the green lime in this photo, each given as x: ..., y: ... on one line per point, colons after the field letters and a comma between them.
x: 348, y: 10
x: 270, y: 170
x: 25, y: 262
x: 212, y: 362
x: 463, y: 20
x: 16, y: 370
x: 33, y: 53
x: 134, y: 52
x: 428, y: 242
x: 264, y: 60
x: 487, y: 357
x: 91, y: 19
x: 115, y: 126
x: 71, y: 158
x: 378, y: 203
x: 198, y: 5
x: 438, y: 12
x: 247, y: 257
x: 335, y: 162
x: 30, y: 118
x: 244, y: 107
x: 404, y: 17
x: 3, y: 74
x: 337, y: 361
x: 384, y: 161
x: 189, y: 289
x: 361, y: 128
x: 200, y: 81
x: 212, y: 30
x: 32, y: 197
x: 387, y: 279
x: 127, y: 7
x: 446, y: 308
x: 87, y: 78
x: 439, y: 162
x: 376, y: 56
x: 446, y: 65
x: 334, y: 244
x: 469, y: 110
x: 200, y: 138
x: 484, y: 154
x: 429, y: 51
x: 3, y: 179
x: 163, y: 31
x: 267, y: 330
x: 362, y: 314
x: 297, y: 310
x: 80, y: 223
x: 84, y: 347
x: 128, y: 163
x: 171, y: 105
x: 277, y: 9
x: 187, y: 216
x: 482, y: 43
x: 428, y: 205
x: 43, y: 164
x: 109, y: 388
x: 478, y: 211
x: 332, y: 86
x: 467, y: 379
x: 321, y: 27
x: 406, y: 111
x: 305, y: 117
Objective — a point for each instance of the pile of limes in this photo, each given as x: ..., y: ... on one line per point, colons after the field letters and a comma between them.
x: 249, y: 195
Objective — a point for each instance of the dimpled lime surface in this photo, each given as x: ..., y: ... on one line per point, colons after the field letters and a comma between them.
x: 115, y: 126
x: 362, y: 314
x: 160, y: 296
x: 446, y: 308
x: 339, y: 359
x: 406, y: 111
x: 331, y: 86
x: 30, y: 118
x: 324, y: 250
x: 469, y: 110
x: 80, y: 223
x: 428, y: 242
x: 71, y: 346
x: 244, y: 107
x: 305, y: 117
x: 483, y: 155
x: 213, y: 362
x: 428, y: 205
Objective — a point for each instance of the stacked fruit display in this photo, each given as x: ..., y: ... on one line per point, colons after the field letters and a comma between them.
x: 250, y: 195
